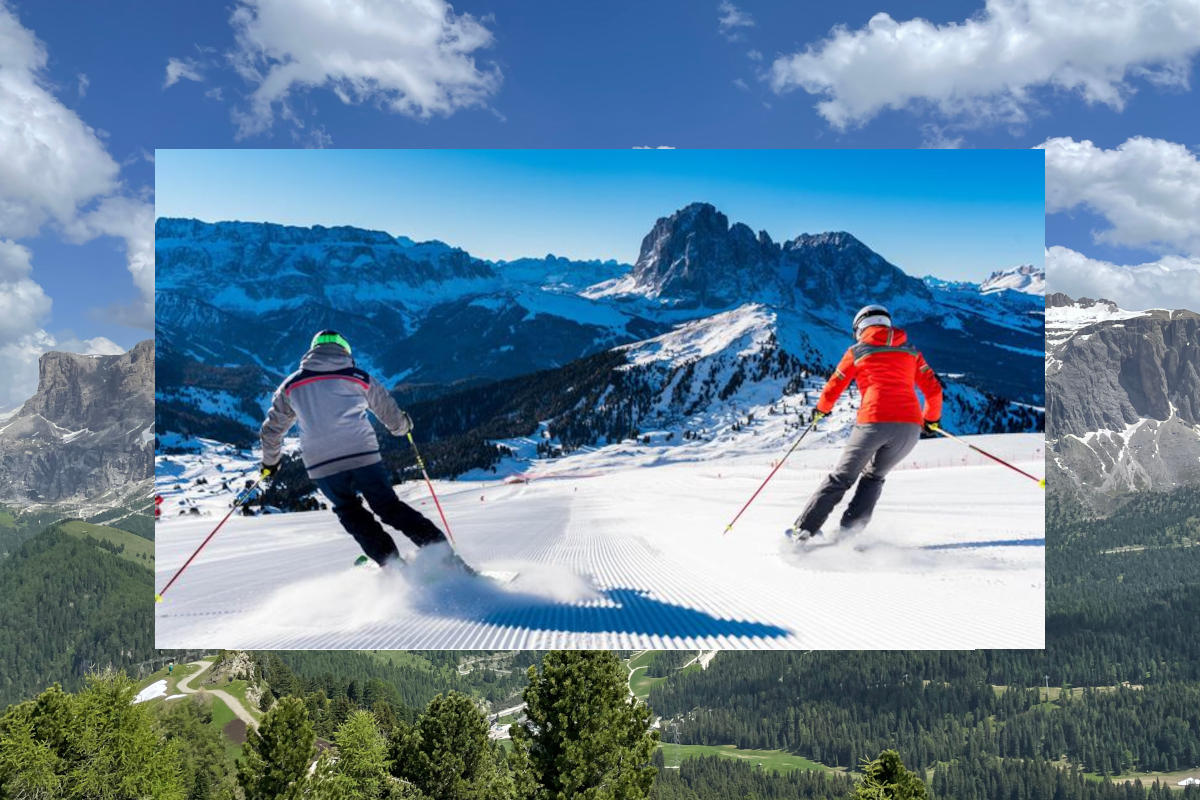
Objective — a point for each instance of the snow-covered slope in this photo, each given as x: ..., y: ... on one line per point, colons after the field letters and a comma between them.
x: 622, y: 547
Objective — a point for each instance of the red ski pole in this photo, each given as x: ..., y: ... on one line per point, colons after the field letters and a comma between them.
x: 729, y: 527
x: 1040, y: 481
x: 243, y: 497
x: 429, y: 483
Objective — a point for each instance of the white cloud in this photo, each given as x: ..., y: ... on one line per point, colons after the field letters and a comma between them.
x: 1171, y: 282
x: 414, y: 57
x: 983, y: 69
x: 132, y: 221
x: 182, y: 69
x: 82, y: 82
x: 52, y: 162
x: 731, y: 20
x: 54, y: 171
x: 23, y: 303
x: 1148, y: 190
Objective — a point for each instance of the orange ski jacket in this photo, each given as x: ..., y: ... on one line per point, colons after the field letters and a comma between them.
x: 886, y: 367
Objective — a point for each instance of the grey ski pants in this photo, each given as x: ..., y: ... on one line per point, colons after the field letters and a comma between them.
x: 873, y: 450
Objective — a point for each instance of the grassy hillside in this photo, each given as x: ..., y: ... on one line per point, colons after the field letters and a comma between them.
x: 125, y: 544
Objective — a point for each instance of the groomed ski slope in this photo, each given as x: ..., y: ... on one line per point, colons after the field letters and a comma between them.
x: 622, y: 548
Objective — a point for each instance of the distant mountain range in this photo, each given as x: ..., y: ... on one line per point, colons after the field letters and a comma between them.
x: 238, y: 302
x: 1124, y: 400
x: 85, y: 438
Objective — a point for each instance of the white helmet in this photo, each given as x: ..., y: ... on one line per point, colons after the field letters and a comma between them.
x: 871, y: 315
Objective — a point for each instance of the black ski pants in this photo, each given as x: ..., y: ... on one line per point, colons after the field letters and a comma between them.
x: 343, y: 489
x: 870, y: 454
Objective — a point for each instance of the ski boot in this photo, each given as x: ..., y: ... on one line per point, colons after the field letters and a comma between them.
x: 799, y: 536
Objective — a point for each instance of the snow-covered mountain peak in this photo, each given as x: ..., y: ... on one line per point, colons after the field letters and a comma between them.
x: 1026, y: 278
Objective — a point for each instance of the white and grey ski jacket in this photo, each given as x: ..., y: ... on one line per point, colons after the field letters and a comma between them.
x: 330, y: 397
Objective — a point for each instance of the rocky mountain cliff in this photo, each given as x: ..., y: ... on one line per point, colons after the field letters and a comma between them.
x: 86, y: 433
x: 1123, y: 390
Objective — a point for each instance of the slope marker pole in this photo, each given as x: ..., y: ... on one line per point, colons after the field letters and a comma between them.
x: 729, y: 527
x: 245, y: 495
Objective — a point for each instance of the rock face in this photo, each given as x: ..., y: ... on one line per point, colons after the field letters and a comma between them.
x: 697, y: 259
x: 1123, y: 389
x: 87, y: 431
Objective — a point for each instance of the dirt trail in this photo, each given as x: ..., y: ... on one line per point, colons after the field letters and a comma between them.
x: 234, y: 704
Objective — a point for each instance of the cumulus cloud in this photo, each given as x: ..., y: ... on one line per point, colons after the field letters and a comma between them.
x: 1171, y: 282
x: 731, y: 20
x: 23, y: 304
x: 182, y: 69
x: 52, y: 162
x: 132, y: 221
x: 983, y: 69
x: 414, y: 57
x: 54, y: 171
x: 1147, y: 190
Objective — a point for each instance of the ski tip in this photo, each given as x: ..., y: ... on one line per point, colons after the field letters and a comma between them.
x: 157, y: 598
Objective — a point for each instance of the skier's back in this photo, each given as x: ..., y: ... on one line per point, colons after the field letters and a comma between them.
x: 887, y: 368
x: 329, y: 396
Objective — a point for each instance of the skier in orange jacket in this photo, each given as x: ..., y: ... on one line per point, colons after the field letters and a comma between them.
x: 889, y: 423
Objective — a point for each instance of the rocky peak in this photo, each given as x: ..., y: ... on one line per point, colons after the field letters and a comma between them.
x: 1060, y: 300
x: 836, y: 269
x: 87, y: 430
x: 696, y: 258
x: 87, y: 391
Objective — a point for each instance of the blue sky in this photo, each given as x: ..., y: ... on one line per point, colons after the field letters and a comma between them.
x: 114, y: 81
x: 955, y: 213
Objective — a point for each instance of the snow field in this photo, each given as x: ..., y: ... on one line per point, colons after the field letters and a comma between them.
x: 623, y: 548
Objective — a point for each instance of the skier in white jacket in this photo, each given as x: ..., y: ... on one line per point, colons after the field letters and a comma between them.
x: 329, y: 396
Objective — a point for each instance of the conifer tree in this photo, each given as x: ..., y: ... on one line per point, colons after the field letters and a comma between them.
x: 97, y: 744
x: 277, y: 755
x: 886, y: 778
x: 447, y: 754
x: 363, y: 756
x: 583, y: 736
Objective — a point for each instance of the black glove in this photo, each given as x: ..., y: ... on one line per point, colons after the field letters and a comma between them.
x: 268, y: 471
x: 932, y: 426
